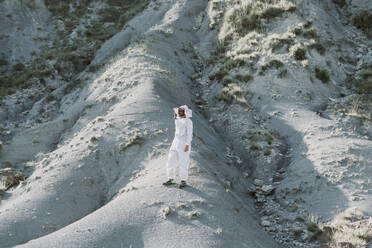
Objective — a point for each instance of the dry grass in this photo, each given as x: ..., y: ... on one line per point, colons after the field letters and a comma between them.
x: 350, y: 229
x: 248, y: 15
x: 232, y: 93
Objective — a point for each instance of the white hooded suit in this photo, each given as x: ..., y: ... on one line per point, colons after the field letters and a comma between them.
x: 183, y: 136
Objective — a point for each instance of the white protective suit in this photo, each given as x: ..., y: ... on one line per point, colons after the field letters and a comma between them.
x: 183, y: 136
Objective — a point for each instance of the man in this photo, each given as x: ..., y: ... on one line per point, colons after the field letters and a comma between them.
x: 179, y: 152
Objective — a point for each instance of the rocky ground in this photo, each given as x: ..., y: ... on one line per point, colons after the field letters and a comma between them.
x: 282, y: 123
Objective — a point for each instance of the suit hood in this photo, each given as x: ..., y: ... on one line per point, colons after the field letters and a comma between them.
x: 188, y: 112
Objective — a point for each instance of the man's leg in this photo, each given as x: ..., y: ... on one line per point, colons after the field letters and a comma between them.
x: 171, y: 164
x: 184, y: 165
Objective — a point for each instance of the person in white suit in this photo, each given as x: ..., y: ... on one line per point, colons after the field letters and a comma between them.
x: 179, y: 152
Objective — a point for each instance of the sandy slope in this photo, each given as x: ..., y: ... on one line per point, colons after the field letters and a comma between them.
x: 100, y: 186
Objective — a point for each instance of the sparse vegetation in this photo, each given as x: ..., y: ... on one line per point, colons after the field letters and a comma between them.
x: 322, y: 74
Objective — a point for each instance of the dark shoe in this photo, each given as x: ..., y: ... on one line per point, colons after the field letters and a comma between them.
x: 169, y: 182
x: 182, y: 184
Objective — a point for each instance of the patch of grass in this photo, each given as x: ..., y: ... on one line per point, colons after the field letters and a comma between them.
x: 322, y: 74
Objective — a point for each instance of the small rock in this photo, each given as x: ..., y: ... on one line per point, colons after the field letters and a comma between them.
x: 194, y: 213
x: 267, y: 189
x: 258, y: 182
x: 166, y: 211
x: 265, y: 223
x: 10, y: 177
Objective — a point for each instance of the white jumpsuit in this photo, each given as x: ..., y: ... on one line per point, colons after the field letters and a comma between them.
x: 183, y: 136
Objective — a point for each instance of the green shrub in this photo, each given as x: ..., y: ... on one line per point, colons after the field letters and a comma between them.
x: 341, y: 3
x: 244, y: 78
x: 322, y: 75
x: 19, y: 67
x: 299, y: 53
x: 364, y: 85
x: 363, y: 22
x: 3, y: 62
